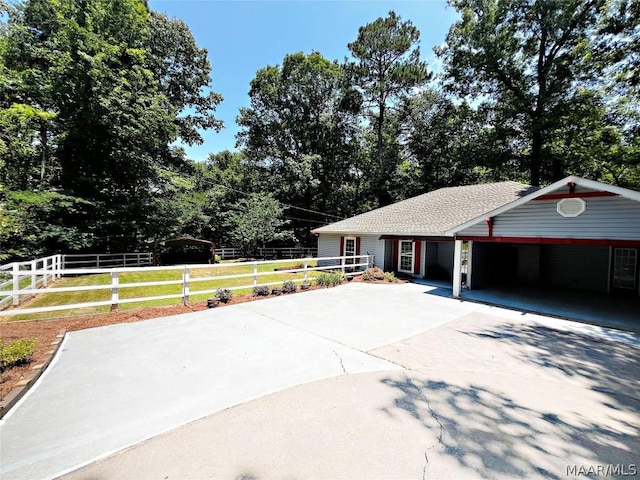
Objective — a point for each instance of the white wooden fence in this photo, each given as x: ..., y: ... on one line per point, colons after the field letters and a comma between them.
x: 348, y: 265
x: 107, y: 260
x: 18, y: 278
x: 227, y: 253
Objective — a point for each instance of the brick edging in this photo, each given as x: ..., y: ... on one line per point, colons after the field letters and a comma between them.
x: 26, y: 383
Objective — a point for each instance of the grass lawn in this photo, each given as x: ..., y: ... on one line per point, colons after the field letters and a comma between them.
x: 45, y: 299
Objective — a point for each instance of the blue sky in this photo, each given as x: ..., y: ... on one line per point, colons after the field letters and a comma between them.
x: 244, y: 36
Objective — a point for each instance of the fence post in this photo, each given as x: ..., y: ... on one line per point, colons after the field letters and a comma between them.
x: 306, y: 273
x: 255, y: 274
x: 45, y: 267
x: 115, y: 281
x: 16, y: 283
x: 342, y: 261
x: 185, y: 285
x: 138, y: 264
x: 33, y: 274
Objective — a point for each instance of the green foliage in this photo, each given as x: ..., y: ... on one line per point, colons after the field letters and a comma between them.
x: 390, y: 277
x: 261, y: 291
x: 16, y: 353
x: 387, y: 66
x: 289, y: 286
x: 329, y: 279
x: 224, y: 295
x: 366, y: 275
x: 256, y: 220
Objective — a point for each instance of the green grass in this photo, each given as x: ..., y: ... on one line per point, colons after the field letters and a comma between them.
x: 45, y: 299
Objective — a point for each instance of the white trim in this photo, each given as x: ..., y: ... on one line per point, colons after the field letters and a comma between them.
x: 579, y: 201
x: 623, y: 192
x: 457, y: 268
x: 469, y: 263
x: 413, y: 255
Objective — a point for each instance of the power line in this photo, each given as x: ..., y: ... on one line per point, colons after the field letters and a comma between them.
x: 285, y: 204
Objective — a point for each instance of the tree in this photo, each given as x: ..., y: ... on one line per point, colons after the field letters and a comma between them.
x: 103, y: 89
x: 301, y: 131
x: 524, y: 59
x: 387, y: 66
x: 257, y: 220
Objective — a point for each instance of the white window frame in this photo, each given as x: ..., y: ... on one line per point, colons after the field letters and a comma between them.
x: 348, y: 261
x: 634, y: 268
x: 400, y: 255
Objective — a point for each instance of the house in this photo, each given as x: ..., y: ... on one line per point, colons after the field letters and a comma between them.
x: 574, y: 233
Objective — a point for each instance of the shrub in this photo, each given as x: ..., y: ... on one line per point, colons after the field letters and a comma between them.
x: 390, y: 277
x: 216, y: 258
x: 329, y: 279
x: 260, y: 291
x: 366, y: 275
x: 224, y: 295
x: 289, y: 287
x: 16, y: 353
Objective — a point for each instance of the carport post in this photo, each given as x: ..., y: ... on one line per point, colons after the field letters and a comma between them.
x: 457, y: 268
x: 469, y: 263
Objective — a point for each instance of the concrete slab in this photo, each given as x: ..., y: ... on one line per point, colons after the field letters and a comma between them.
x: 115, y: 386
x: 482, y: 397
x: 366, y: 316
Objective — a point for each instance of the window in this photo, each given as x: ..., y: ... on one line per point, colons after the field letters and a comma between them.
x: 624, y: 268
x: 349, y: 249
x: 405, y: 257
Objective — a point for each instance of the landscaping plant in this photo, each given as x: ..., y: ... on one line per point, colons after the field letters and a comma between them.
x: 289, y: 286
x: 260, y: 291
x: 16, y: 353
x: 224, y: 295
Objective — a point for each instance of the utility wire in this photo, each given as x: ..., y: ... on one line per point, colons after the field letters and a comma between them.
x: 285, y: 204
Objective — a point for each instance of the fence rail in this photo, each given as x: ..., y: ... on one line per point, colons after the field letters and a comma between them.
x: 348, y: 265
x: 26, y: 277
x: 107, y: 260
x: 227, y: 253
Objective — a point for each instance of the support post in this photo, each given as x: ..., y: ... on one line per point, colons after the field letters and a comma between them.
x: 342, y: 262
x: 98, y: 260
x: 306, y: 272
x: 115, y: 281
x: 255, y: 274
x: 457, y: 268
x: 185, y: 285
x: 16, y: 283
x: 469, y: 263
x: 45, y: 267
x: 33, y: 275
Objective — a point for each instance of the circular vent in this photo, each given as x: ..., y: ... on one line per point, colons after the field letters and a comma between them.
x: 571, y: 207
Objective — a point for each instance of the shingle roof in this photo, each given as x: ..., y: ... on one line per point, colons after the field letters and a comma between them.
x: 433, y: 213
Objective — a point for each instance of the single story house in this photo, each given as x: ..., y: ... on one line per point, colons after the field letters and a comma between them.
x: 574, y: 233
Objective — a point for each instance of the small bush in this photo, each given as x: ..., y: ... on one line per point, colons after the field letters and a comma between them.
x: 224, y: 295
x: 216, y: 258
x: 16, y: 353
x: 366, y: 275
x: 289, y: 287
x: 329, y: 279
x: 260, y: 291
x: 390, y: 277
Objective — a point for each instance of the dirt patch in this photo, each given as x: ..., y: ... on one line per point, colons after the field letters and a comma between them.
x: 45, y: 331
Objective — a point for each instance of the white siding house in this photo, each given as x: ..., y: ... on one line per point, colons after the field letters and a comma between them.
x: 576, y: 234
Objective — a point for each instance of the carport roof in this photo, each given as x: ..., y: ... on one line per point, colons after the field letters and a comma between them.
x: 433, y: 213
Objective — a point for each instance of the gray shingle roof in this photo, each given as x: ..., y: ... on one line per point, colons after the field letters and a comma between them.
x: 433, y: 213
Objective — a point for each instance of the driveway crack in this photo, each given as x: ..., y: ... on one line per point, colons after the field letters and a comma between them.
x: 341, y: 362
x: 435, y: 417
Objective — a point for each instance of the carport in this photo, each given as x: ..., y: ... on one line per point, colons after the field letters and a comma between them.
x: 575, y: 238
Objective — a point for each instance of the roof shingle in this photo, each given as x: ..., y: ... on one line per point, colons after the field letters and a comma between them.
x: 433, y: 213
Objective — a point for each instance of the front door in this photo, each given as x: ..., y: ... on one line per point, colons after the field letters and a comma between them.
x: 624, y: 271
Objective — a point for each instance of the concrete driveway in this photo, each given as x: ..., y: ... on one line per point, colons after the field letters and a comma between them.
x: 361, y: 381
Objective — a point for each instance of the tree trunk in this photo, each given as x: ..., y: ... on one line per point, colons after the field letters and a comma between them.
x: 45, y: 152
x: 535, y: 166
